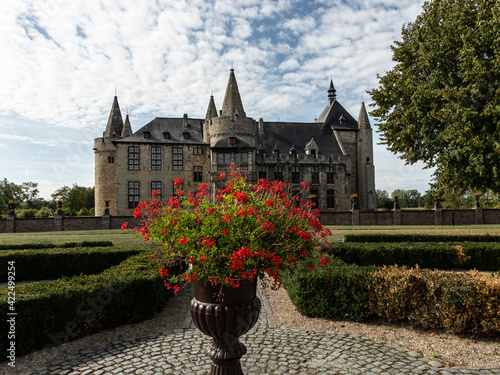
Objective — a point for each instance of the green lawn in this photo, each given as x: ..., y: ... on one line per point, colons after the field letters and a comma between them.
x: 338, y: 232
x: 122, y: 238
x: 118, y: 237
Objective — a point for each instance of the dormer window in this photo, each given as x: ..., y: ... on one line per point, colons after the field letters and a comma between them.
x: 342, y: 120
x: 166, y: 135
x: 185, y: 135
x: 146, y: 135
x: 293, y: 151
x: 276, y: 151
x: 232, y: 140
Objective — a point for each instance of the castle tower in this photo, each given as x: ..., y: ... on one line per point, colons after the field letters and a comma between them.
x: 105, y: 160
x: 232, y: 118
x: 127, y: 129
x: 211, y: 113
x: 114, y: 127
x: 367, y: 199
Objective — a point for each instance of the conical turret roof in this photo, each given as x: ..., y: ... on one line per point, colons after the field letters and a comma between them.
x: 115, y: 122
x: 211, y: 110
x: 232, y: 101
x: 127, y: 129
x: 363, y: 120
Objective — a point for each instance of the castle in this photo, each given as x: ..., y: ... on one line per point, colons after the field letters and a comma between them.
x: 334, y: 154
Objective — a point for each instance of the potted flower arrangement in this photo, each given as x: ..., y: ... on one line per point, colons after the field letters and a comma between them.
x: 354, y: 198
x: 223, y: 241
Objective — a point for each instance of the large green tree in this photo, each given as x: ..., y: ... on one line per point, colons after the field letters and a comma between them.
x: 440, y: 104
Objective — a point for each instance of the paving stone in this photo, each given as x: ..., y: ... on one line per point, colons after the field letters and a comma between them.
x: 269, y: 351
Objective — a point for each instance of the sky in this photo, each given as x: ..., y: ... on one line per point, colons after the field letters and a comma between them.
x: 61, y: 63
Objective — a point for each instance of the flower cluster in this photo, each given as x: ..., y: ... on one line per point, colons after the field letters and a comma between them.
x: 240, y: 232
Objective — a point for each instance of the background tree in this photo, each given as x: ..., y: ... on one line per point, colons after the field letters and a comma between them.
x: 409, y: 198
x: 440, y: 104
x: 74, y: 198
x: 383, y: 200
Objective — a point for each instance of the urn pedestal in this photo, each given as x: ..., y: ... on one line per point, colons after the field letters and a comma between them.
x: 225, y: 317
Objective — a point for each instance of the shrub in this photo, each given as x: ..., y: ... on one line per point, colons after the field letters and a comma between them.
x: 55, y: 312
x: 55, y: 263
x: 83, y: 212
x: 456, y: 302
x: 382, y: 237
x: 52, y: 245
x: 338, y: 292
x: 26, y: 213
x: 481, y: 256
x: 44, y: 212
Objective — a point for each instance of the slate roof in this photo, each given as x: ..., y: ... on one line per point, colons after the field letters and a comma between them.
x: 175, y: 126
x: 286, y: 134
x: 331, y: 114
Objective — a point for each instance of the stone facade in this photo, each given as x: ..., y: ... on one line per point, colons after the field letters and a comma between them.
x: 334, y: 154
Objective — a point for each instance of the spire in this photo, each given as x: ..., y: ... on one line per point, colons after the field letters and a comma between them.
x: 232, y: 101
x: 331, y: 92
x: 127, y: 129
x: 212, y: 110
x: 363, y: 120
x: 115, y: 122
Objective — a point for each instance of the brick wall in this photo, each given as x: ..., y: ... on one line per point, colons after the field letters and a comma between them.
x: 491, y: 216
x: 407, y: 217
x: 418, y: 217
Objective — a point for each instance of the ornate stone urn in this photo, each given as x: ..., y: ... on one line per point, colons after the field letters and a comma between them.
x: 225, y: 321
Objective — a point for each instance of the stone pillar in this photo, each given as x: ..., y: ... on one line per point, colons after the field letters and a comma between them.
x: 355, y: 217
x: 396, y: 215
x: 58, y: 222
x: 106, y: 222
x: 438, y: 216
x: 479, y: 215
x: 10, y: 226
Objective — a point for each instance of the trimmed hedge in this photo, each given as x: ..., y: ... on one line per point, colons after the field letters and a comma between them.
x: 51, y: 313
x: 55, y: 263
x: 457, y: 302
x: 340, y: 292
x: 381, y: 237
x: 54, y: 245
x: 482, y: 256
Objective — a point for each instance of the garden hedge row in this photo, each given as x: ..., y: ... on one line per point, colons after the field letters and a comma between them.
x: 51, y: 313
x: 54, y: 245
x: 482, y: 256
x: 457, y: 302
x: 382, y: 237
x: 54, y: 263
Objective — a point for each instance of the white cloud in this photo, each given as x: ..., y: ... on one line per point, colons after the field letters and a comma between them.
x: 61, y: 61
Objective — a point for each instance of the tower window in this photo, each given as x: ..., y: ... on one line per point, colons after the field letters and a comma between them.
x: 296, y: 175
x: 133, y: 158
x: 278, y: 173
x: 156, y: 185
x: 330, y: 175
x: 177, y: 159
x: 330, y: 199
x: 156, y: 158
x: 111, y: 159
x: 262, y: 172
x: 133, y: 194
x: 314, y: 175
x: 367, y: 160
x: 198, y: 174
